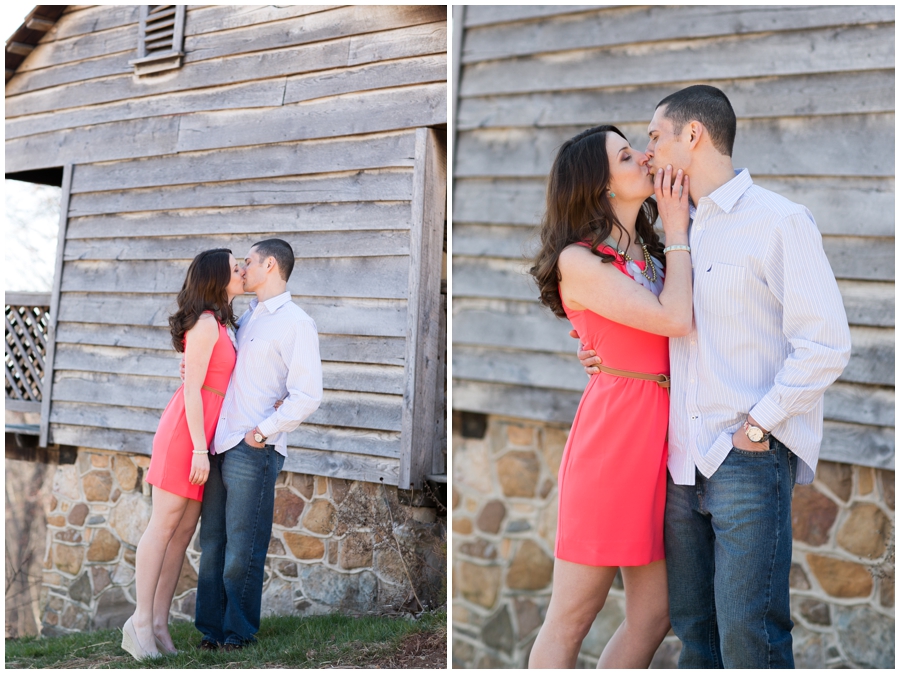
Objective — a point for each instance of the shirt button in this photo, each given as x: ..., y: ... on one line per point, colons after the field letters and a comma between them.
x: 692, y: 380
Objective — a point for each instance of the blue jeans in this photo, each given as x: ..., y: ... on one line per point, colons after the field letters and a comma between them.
x: 235, y: 527
x: 728, y: 558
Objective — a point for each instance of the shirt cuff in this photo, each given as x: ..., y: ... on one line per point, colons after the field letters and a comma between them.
x: 267, y: 427
x: 768, y: 414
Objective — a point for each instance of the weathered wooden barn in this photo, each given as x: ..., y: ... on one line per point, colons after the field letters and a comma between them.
x: 813, y: 89
x: 174, y: 129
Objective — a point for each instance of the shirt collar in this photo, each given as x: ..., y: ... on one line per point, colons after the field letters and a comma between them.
x: 273, y: 303
x: 726, y: 196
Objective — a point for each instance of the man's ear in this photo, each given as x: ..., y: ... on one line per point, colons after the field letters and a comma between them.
x: 695, y: 133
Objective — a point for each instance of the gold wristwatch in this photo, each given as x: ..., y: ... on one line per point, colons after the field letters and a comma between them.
x: 755, y: 433
x: 259, y: 437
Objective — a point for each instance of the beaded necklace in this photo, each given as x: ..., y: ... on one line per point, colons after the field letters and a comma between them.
x: 648, y: 261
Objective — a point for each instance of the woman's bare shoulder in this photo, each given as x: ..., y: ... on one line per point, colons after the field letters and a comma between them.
x: 206, y: 327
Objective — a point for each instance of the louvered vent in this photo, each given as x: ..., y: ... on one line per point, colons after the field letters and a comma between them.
x: 160, y: 39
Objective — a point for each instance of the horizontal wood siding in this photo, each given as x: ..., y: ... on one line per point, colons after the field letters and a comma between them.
x: 813, y: 88
x: 297, y: 122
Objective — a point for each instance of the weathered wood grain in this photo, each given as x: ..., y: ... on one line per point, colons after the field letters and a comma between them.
x: 424, y: 307
x: 352, y: 51
x: 338, y: 465
x: 858, y: 444
x: 758, y: 55
x: 333, y: 464
x: 314, y: 222
x: 339, y: 408
x: 103, y: 142
x: 871, y: 357
x: 788, y: 96
x: 864, y: 258
x: 506, y: 323
x: 370, y: 112
x: 375, y: 277
x: 517, y: 401
x: 267, y: 93
x: 525, y: 368
x: 338, y: 23
x: 102, y: 438
x: 139, y: 419
x: 338, y: 348
x: 348, y: 375
x: 491, y: 277
x: 854, y: 148
x: 214, y: 18
x: 503, y: 241
x: 305, y: 245
x: 637, y: 25
x: 359, y: 186
x: 93, y: 19
x: 868, y: 303
x: 841, y: 206
x: 376, y: 318
x: 418, y: 70
x: 47, y: 386
x: 349, y: 440
x: 858, y: 403
x: 363, y: 112
x: 121, y: 40
x: 268, y: 161
x: 480, y: 15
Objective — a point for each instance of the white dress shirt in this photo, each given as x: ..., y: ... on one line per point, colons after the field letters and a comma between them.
x: 769, y: 333
x: 277, y: 358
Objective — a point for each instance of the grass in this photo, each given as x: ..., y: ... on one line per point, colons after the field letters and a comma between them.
x: 284, y: 642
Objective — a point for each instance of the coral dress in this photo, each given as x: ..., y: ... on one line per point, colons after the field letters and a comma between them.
x: 612, y: 478
x: 170, y: 462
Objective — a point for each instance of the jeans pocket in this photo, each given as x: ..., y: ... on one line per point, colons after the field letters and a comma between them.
x: 747, y: 452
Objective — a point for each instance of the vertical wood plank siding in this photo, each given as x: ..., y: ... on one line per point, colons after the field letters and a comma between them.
x: 813, y: 89
x: 295, y: 122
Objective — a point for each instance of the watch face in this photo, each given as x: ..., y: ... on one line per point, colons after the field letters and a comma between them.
x: 755, y: 434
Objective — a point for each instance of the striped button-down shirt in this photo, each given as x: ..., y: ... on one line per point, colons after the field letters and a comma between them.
x: 277, y: 358
x: 769, y: 333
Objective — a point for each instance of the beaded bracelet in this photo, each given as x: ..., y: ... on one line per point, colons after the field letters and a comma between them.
x: 668, y: 248
x: 200, y: 451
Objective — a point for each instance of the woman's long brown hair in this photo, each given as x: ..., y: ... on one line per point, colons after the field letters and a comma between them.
x: 579, y: 209
x: 204, y: 289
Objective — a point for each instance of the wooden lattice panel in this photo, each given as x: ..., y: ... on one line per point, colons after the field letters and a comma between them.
x: 26, y: 350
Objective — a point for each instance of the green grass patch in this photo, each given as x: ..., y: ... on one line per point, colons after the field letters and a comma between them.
x: 318, y: 641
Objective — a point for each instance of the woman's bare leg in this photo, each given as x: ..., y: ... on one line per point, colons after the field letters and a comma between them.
x: 579, y: 592
x: 646, y: 618
x: 171, y: 572
x: 168, y: 509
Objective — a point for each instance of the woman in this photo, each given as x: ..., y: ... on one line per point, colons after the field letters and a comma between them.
x: 600, y: 265
x: 179, y: 464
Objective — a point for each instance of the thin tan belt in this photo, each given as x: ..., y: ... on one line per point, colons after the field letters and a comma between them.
x: 212, y: 390
x: 661, y: 379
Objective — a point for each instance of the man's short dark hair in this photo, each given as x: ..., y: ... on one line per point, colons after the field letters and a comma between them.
x: 707, y: 105
x: 281, y: 251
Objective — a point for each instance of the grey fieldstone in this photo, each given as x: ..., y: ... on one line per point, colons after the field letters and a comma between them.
x: 347, y: 591
x: 498, y: 631
x: 80, y: 590
x: 113, y: 609
x: 866, y: 636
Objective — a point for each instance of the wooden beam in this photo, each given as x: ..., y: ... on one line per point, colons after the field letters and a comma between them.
x: 19, y: 48
x: 68, y: 170
x: 423, y: 322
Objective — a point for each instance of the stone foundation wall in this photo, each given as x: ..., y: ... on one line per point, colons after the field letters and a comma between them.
x: 336, y: 545
x: 504, y: 505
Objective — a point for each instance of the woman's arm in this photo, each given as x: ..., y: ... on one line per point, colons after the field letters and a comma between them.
x: 199, y: 343
x: 588, y: 283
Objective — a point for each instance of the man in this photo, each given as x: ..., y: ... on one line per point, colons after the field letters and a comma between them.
x: 277, y: 358
x: 769, y: 336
